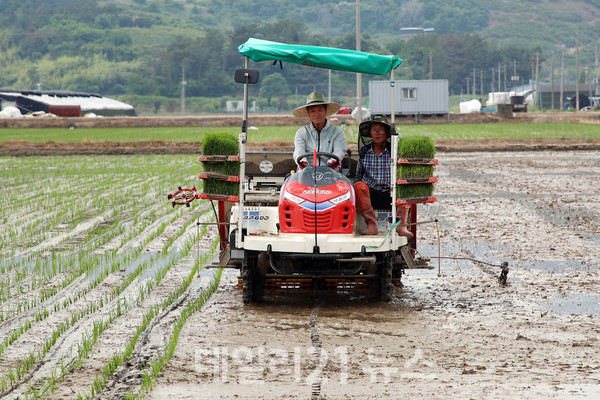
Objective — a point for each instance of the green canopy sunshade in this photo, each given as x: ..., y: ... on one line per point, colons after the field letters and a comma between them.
x: 317, y: 56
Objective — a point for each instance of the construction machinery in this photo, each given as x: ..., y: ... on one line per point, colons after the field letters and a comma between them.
x: 298, y: 231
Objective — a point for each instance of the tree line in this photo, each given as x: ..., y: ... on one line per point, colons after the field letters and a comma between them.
x: 101, y: 48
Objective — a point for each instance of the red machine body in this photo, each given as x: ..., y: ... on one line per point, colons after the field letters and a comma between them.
x: 331, y: 211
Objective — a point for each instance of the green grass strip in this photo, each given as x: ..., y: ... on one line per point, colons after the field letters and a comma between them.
x: 269, y: 134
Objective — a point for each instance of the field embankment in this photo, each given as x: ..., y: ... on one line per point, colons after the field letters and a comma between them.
x: 118, y: 146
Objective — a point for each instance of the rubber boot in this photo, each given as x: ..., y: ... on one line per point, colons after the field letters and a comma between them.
x: 371, y: 220
x: 403, y: 215
x: 364, y: 207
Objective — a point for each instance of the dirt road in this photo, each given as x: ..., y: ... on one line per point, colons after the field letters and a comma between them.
x: 459, y: 335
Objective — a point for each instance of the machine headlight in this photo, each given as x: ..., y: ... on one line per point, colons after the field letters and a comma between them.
x: 339, y: 199
x: 291, y: 197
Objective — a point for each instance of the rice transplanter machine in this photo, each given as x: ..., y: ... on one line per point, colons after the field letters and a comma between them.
x: 298, y: 231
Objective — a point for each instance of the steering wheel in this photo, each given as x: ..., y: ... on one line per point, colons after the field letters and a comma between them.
x: 319, y: 153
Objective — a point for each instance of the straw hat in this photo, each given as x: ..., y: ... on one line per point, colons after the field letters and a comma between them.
x: 365, y: 127
x: 315, y: 99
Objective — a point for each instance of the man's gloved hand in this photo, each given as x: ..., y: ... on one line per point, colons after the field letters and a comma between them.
x: 303, y: 163
x: 333, y: 163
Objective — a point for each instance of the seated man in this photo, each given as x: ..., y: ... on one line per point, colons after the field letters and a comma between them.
x: 372, y: 181
x: 320, y: 134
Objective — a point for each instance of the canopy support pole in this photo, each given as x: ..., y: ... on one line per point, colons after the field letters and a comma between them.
x: 243, y: 138
x: 394, y: 157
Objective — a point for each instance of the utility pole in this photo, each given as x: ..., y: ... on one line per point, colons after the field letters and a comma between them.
x: 499, y: 77
x: 481, y: 83
x: 183, y: 84
x: 493, y: 80
x: 596, y: 79
x: 515, y: 74
x: 474, y: 84
x: 552, y: 76
x: 430, y: 65
x: 532, y: 72
x: 359, y: 76
x: 577, y: 72
x: 562, y: 75
x: 329, y: 93
x: 514, y: 78
x: 537, y: 82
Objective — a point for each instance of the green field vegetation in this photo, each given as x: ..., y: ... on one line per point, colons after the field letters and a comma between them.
x: 286, y: 133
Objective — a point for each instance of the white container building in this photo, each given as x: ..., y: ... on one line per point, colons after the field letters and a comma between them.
x: 426, y: 97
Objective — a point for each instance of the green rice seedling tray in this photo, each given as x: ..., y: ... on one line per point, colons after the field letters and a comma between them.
x: 412, y: 190
x: 408, y: 181
x: 412, y: 171
x: 416, y: 200
x: 416, y: 147
x: 219, y: 176
x: 218, y: 158
x: 422, y: 161
x: 220, y: 143
x: 221, y: 187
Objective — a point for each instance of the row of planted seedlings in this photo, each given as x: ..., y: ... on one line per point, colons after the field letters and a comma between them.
x: 161, y: 264
x: 75, y: 272
x: 46, y: 269
x: 68, y: 201
x: 91, y: 235
x: 27, y: 324
x: 217, y: 183
x: 64, y: 201
x: 117, y: 303
x: 164, y: 262
x: 156, y: 364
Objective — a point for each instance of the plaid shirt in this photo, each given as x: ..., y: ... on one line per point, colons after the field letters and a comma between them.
x: 374, y: 169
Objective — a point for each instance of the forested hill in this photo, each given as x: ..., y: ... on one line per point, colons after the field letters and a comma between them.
x: 142, y: 46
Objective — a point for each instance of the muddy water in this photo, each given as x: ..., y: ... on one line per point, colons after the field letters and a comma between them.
x: 456, y: 334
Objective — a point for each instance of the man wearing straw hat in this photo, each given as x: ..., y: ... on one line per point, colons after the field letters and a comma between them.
x: 373, y: 175
x: 320, y: 134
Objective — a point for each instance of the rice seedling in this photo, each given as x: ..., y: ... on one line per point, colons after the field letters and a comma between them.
x: 215, y: 186
x: 219, y: 144
x: 77, y: 268
x: 415, y: 171
x: 216, y: 144
x: 414, y: 190
x: 230, y: 168
x: 416, y: 147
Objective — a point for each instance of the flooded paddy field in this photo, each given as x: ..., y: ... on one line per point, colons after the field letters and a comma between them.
x: 103, y: 294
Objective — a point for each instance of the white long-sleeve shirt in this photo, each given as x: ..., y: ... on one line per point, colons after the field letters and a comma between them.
x: 331, y: 139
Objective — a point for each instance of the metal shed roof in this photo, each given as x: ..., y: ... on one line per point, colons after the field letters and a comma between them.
x: 89, y: 103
